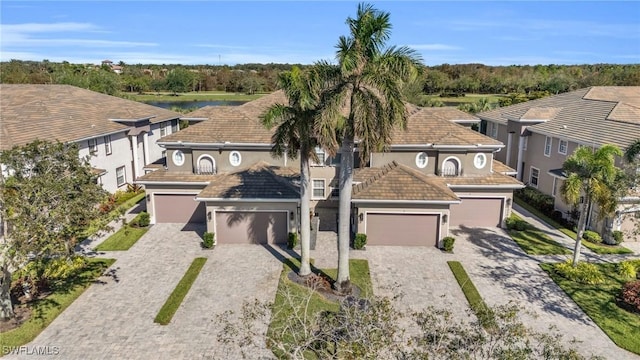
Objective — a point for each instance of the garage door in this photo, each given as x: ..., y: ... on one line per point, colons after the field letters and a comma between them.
x: 402, y: 229
x: 248, y: 227
x: 477, y: 212
x: 178, y: 209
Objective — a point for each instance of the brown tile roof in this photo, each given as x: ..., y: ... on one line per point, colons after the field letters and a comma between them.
x: 65, y: 113
x: 256, y: 182
x: 166, y: 176
x: 398, y: 182
x: 594, y: 116
x: 501, y: 168
x: 241, y: 124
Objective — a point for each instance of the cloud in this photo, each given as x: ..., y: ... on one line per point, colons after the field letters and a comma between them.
x: 434, y: 47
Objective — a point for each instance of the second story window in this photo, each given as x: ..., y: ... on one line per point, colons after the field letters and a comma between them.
x: 451, y: 167
x: 163, y: 129
x: 562, y: 147
x: 317, y: 188
x: 322, y: 157
x: 93, y: 146
x: 174, y: 126
x: 547, y: 146
x: 422, y: 160
x: 107, y: 144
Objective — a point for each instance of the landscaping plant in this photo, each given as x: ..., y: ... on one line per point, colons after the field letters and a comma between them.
x: 292, y: 240
x: 447, y: 243
x: 592, y: 236
x: 584, y: 272
x: 630, y: 295
x: 360, y: 241
x: 208, y: 240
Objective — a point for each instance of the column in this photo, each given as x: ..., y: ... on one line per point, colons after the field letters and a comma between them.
x: 520, y: 154
x: 145, y: 145
x: 134, y: 147
x: 509, y: 144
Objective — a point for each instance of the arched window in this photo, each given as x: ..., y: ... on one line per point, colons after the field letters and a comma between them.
x: 206, y: 165
x: 451, y: 166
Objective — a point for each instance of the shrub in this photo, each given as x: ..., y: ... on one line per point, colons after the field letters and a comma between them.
x: 292, y: 241
x: 630, y: 295
x: 535, y: 198
x: 592, y: 236
x: 207, y: 240
x: 584, y: 273
x: 447, y: 243
x: 143, y: 219
x: 618, y: 236
x: 627, y: 269
x: 360, y: 241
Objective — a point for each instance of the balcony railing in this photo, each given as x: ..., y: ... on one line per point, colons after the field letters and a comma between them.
x: 205, y: 170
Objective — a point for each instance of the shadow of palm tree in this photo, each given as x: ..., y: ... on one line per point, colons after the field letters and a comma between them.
x: 512, y: 269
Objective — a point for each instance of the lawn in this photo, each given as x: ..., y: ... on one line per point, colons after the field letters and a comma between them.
x: 175, y: 299
x: 123, y: 239
x: 281, y: 311
x: 47, y: 309
x: 476, y: 303
x: 599, y: 302
x: 596, y: 248
x: 535, y: 242
x: 193, y: 96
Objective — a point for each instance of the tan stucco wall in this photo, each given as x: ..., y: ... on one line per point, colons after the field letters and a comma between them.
x: 436, y: 159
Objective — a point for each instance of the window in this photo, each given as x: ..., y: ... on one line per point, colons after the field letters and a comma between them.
x: 178, y: 158
x: 121, y: 177
x: 206, y: 165
x: 562, y: 147
x: 235, y: 158
x: 422, y: 160
x: 93, y: 146
x: 533, y: 177
x: 480, y: 160
x: 317, y: 188
x: 553, y: 189
x: 107, y: 144
x: 163, y: 129
x: 174, y: 126
x: 492, y: 129
x: 322, y: 157
x: 451, y: 167
x: 547, y: 146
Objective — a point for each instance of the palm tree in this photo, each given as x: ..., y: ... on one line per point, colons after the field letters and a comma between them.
x: 591, y: 174
x: 293, y: 135
x: 632, y: 152
x: 361, y: 99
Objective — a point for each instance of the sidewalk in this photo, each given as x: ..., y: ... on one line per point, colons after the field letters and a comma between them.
x: 566, y: 241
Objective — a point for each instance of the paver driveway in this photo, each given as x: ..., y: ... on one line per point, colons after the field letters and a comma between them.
x: 114, y: 320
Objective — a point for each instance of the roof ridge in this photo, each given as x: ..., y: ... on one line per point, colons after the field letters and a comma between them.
x: 384, y: 170
x: 431, y: 181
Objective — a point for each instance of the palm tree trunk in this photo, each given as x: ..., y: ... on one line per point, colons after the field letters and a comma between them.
x: 344, y: 214
x: 582, y: 224
x: 305, y: 221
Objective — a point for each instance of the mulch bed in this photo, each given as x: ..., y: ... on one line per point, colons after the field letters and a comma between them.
x: 322, y: 285
x: 23, y: 313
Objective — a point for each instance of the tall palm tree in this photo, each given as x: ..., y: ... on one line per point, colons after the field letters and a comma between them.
x: 361, y: 99
x: 632, y: 152
x: 293, y: 135
x: 591, y: 174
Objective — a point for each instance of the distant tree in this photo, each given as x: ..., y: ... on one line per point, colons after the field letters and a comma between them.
x: 179, y: 80
x: 591, y: 180
x: 48, y: 197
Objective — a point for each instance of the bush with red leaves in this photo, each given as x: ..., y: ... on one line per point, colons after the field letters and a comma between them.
x: 630, y: 296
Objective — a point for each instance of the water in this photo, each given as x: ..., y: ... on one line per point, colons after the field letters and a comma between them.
x: 193, y: 104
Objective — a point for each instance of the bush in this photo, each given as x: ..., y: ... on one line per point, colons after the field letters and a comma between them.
x: 535, y: 198
x: 627, y: 269
x: 43, y: 274
x: 630, y: 295
x: 447, y: 243
x: 515, y: 223
x: 592, y: 236
x: 360, y: 241
x: 207, y: 240
x: 144, y: 219
x: 292, y: 241
x: 618, y: 236
x: 584, y: 273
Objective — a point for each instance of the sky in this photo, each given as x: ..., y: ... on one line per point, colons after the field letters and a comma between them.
x: 239, y: 32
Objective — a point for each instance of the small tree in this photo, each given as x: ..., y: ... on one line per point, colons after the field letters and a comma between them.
x: 48, y: 197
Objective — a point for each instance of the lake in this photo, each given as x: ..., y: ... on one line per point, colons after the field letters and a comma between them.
x: 193, y: 104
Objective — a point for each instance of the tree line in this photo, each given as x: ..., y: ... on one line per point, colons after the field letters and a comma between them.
x: 445, y: 79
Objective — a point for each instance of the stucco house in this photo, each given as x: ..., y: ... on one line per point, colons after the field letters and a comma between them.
x: 119, y: 134
x: 437, y: 174
x: 540, y: 135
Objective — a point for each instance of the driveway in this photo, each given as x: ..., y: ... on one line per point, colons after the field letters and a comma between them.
x: 114, y: 319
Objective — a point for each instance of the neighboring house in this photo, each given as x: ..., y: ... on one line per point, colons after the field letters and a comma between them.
x: 437, y: 174
x: 541, y: 133
x: 120, y: 135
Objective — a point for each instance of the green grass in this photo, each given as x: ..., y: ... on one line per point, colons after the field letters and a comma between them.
x: 535, y: 242
x: 46, y: 310
x: 282, y: 310
x: 193, y: 96
x: 123, y: 239
x: 601, y: 249
x: 477, y: 304
x: 175, y: 299
x: 599, y: 302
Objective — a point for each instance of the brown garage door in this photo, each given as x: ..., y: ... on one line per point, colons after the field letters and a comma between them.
x: 178, y: 209
x: 402, y: 229
x: 249, y: 227
x: 474, y: 212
